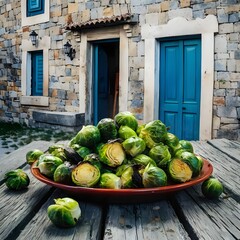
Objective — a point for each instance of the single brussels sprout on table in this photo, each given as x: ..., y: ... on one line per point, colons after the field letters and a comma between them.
x: 33, y: 156
x: 16, y: 179
x: 64, y: 213
x: 125, y: 132
x: 89, y: 136
x: 85, y: 175
x: 112, y: 154
x: 161, y: 155
x: 134, y: 146
x: 154, y: 177
x: 62, y: 174
x: 47, y: 164
x: 108, y: 129
x: 110, y: 180
x: 153, y: 133
x: 179, y: 171
x: 126, y: 119
x: 212, y: 188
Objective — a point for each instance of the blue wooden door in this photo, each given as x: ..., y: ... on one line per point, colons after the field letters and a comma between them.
x: 37, y: 73
x: 180, y: 78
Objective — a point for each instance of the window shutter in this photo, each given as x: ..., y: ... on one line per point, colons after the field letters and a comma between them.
x: 35, y: 7
x: 37, y: 73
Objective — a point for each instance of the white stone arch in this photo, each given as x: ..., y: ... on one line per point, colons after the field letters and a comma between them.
x: 179, y: 26
x: 85, y: 74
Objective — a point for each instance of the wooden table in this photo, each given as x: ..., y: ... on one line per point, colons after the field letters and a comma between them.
x: 185, y: 215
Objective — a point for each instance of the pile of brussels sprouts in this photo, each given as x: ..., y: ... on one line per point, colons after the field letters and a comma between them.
x: 120, y: 153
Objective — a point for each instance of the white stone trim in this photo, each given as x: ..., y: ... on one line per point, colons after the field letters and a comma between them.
x: 27, y: 47
x: 85, y: 73
x: 40, y: 18
x: 181, y: 27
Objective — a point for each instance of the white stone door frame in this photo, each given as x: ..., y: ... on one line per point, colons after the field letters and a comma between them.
x: 85, y: 74
x: 180, y: 27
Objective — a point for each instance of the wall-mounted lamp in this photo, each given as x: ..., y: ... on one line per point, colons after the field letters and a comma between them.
x: 69, y: 51
x: 34, y: 37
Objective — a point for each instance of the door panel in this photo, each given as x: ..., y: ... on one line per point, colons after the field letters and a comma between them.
x: 37, y: 73
x: 180, y: 87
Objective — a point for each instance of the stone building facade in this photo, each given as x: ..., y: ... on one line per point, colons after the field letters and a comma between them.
x: 138, y: 25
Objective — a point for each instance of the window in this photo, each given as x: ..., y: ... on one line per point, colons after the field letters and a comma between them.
x: 35, y: 7
x: 34, y: 12
x: 37, y: 73
x: 34, y: 77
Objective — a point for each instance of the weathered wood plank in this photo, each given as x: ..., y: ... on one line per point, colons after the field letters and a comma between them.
x: 88, y: 226
x: 208, y: 219
x: 17, y: 206
x: 17, y: 159
x: 231, y: 148
x: 143, y: 221
x: 225, y: 168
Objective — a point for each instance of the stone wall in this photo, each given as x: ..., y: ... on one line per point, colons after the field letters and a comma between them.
x: 64, y: 74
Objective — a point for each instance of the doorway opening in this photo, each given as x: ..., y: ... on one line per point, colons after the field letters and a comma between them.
x: 105, y: 79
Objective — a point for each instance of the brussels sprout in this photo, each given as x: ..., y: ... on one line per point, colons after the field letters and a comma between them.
x: 139, y: 128
x: 75, y: 146
x: 85, y: 175
x: 112, y: 154
x: 179, y: 171
x: 110, y: 180
x: 172, y: 142
x: 83, y: 152
x: 16, y: 179
x: 212, y: 188
x: 125, y: 132
x: 33, y: 155
x: 131, y: 176
x: 72, y: 155
x: 192, y: 161
x: 134, y: 146
x: 47, y: 164
x: 59, y: 147
x: 154, y: 177
x: 126, y: 119
x: 64, y: 213
x: 73, y: 141
x: 143, y: 159
x: 153, y: 133
x: 161, y: 155
x: 126, y: 178
x: 201, y: 162
x: 94, y: 159
x: 62, y: 174
x: 186, y: 145
x: 108, y: 129
x: 88, y: 136
x: 121, y: 169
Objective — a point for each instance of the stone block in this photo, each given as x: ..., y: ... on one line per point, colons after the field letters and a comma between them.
x: 222, y: 16
x: 233, y: 101
x: 231, y: 65
x: 108, y: 12
x: 221, y: 43
x: 154, y: 8
x: 184, y: 12
x: 216, y: 122
x: 185, y: 3
x: 220, y: 65
x: 225, y: 28
x: 164, y: 6
x: 219, y: 101
x: 223, y: 111
x: 152, y: 19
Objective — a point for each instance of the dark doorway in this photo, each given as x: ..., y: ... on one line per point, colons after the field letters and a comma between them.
x: 105, y: 78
